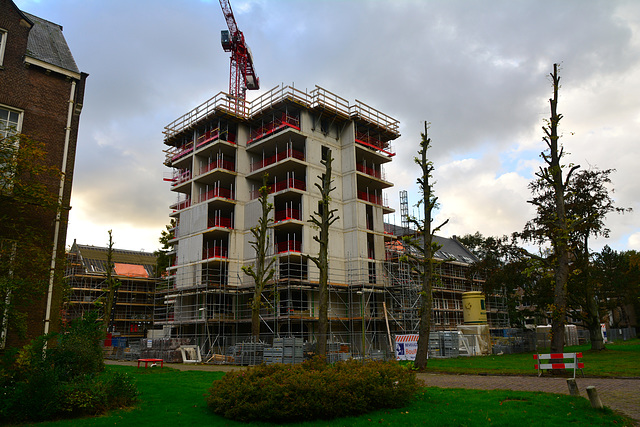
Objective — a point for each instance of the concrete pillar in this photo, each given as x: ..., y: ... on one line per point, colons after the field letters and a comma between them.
x: 594, y: 398
x: 573, y: 388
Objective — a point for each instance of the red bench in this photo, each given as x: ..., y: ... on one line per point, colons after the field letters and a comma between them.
x: 146, y: 362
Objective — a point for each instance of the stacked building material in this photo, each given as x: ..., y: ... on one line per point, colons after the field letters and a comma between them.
x: 248, y: 353
x: 292, y: 349
x: 273, y: 355
x: 337, y: 352
x: 450, y: 343
x: 166, y: 349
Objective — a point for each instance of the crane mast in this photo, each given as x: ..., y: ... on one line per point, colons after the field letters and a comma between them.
x: 242, y: 74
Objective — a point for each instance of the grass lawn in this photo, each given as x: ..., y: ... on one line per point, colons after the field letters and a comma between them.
x: 176, y: 398
x: 620, y: 359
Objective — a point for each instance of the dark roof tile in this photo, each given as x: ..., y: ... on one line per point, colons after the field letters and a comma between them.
x: 46, y: 43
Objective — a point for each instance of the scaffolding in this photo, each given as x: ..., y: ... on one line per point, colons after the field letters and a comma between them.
x: 133, y: 310
x: 216, y: 314
x: 369, y: 303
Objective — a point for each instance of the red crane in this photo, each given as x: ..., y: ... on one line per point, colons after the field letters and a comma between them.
x: 242, y: 75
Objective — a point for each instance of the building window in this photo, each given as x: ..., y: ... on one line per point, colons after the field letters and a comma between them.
x: 10, y: 124
x: 325, y: 153
x: 3, y: 44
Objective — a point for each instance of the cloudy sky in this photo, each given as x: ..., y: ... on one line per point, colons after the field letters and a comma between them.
x: 477, y: 71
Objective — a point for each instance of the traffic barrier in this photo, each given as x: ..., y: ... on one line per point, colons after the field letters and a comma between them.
x: 575, y: 364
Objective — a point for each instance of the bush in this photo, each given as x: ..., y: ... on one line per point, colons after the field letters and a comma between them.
x: 96, y: 395
x: 63, y: 379
x: 312, y: 390
x: 78, y: 351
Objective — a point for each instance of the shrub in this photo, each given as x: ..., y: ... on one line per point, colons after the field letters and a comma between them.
x: 96, y: 395
x: 78, y: 350
x: 312, y: 390
x: 65, y: 379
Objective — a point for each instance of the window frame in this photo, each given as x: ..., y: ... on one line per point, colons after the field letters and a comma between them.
x: 6, y: 132
x: 20, y: 114
x: 3, y: 44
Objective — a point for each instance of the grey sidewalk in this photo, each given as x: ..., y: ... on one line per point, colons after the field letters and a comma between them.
x: 619, y: 394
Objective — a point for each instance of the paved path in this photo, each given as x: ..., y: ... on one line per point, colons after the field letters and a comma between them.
x: 619, y: 394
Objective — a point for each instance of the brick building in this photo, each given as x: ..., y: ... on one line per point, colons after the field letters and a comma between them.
x: 41, y: 95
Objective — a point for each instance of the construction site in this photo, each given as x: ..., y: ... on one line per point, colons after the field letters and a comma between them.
x: 133, y: 303
x: 219, y: 153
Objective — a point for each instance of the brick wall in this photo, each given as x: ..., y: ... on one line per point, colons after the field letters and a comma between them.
x: 44, y: 97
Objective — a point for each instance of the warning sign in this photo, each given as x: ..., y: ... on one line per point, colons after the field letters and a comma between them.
x: 406, y: 347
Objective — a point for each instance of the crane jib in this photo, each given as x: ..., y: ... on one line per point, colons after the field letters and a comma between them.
x: 242, y: 72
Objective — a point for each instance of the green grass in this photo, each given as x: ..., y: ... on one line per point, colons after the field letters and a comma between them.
x: 620, y: 359
x: 176, y: 398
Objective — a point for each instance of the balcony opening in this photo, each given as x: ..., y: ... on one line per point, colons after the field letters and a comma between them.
x: 293, y: 301
x: 371, y: 253
x: 293, y: 269
x: 369, y: 217
x: 288, y: 242
x: 286, y: 210
x: 215, y: 275
x: 215, y: 248
x: 372, y: 272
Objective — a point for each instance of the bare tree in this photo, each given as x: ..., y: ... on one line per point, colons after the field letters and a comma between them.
x: 323, y: 220
x: 263, y: 272
x: 112, y: 287
x: 423, y: 248
x: 553, y: 225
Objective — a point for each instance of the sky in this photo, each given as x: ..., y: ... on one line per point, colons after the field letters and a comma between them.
x: 477, y: 71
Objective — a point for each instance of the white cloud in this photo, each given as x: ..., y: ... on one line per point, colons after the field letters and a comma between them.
x: 477, y: 71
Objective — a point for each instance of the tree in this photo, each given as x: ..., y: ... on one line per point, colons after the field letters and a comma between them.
x: 263, y: 271
x: 112, y: 287
x: 28, y: 201
x: 588, y: 203
x: 504, y: 270
x: 553, y: 225
x: 617, y: 280
x: 323, y: 218
x: 424, y: 247
x: 163, y: 258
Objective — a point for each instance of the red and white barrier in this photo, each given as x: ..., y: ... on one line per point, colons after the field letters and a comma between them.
x: 575, y: 364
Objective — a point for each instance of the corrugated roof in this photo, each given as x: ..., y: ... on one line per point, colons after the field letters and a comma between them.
x: 46, y: 43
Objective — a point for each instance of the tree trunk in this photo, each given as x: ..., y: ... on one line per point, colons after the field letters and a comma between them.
x: 559, y: 312
x: 323, y: 221
x: 323, y: 307
x: 593, y: 322
x: 422, y: 352
x: 255, y: 321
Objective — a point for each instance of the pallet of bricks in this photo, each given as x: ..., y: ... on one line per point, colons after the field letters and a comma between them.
x: 166, y: 349
x: 337, y: 352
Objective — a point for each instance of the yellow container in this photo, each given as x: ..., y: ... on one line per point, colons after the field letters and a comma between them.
x: 473, y: 308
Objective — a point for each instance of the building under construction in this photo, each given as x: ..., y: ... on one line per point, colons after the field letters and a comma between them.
x: 132, y: 312
x: 218, y: 154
